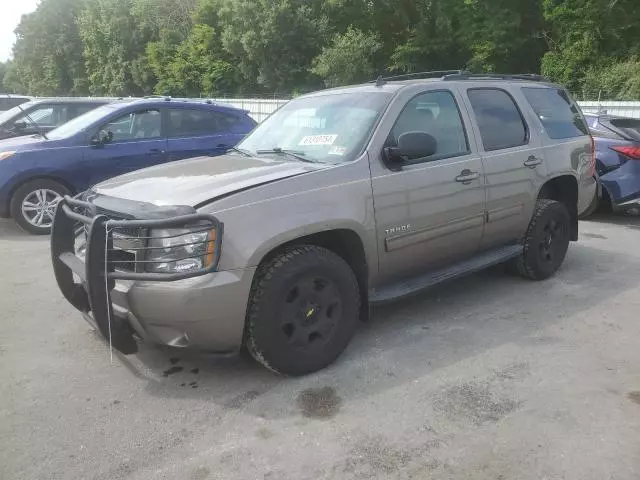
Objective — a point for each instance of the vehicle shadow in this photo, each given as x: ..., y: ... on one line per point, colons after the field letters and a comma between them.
x: 406, y: 340
x: 12, y: 232
x: 632, y: 221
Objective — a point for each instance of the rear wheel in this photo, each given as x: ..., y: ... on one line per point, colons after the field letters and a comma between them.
x: 546, y: 241
x: 303, y: 310
x: 33, y: 204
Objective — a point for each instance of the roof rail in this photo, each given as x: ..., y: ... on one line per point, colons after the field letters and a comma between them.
x: 166, y: 98
x: 495, y: 76
x: 417, y: 75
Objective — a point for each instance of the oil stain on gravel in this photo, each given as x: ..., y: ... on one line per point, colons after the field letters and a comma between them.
x: 634, y: 397
x: 240, y: 401
x: 594, y: 235
x: 319, y: 403
x: 171, y: 371
x: 475, y: 403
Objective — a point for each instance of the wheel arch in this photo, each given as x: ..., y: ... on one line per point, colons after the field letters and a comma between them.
x: 26, y: 180
x: 344, y: 242
x: 564, y: 189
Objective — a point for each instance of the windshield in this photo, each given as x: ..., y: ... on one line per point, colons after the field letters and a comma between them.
x: 9, y: 114
x: 79, y: 123
x: 327, y: 128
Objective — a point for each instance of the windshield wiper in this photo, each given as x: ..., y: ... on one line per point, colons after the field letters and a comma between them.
x: 246, y: 153
x: 282, y: 151
x: 41, y: 133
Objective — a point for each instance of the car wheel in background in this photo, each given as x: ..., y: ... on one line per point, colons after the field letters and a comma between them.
x: 303, y: 310
x: 33, y: 204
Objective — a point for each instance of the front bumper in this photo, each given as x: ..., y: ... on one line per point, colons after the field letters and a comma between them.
x: 206, y: 313
x: 202, y: 308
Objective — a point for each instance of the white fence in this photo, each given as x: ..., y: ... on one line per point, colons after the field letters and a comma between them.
x: 260, y: 109
x: 624, y: 109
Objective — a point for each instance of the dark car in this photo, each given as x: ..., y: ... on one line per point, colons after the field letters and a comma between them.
x: 617, y: 146
x: 123, y: 136
x: 43, y: 115
x: 8, y: 101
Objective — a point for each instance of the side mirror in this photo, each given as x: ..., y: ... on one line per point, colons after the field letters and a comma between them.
x: 101, y: 138
x: 19, y: 126
x: 411, y: 145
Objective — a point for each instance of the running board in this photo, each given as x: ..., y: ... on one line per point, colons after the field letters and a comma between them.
x: 426, y: 280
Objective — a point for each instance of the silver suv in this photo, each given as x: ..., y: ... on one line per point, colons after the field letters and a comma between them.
x: 341, y: 198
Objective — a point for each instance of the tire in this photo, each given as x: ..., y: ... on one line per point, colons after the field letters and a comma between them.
x: 592, y: 208
x: 303, y: 310
x: 546, y: 241
x: 35, y: 202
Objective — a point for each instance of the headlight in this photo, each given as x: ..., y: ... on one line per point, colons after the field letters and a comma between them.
x: 176, y: 250
x: 4, y: 155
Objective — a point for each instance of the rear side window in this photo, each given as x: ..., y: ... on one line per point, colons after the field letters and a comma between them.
x: 198, y: 122
x: 560, y: 116
x: 629, y: 126
x: 499, y: 120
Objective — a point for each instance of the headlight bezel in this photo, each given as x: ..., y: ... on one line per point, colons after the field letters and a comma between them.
x: 182, y: 250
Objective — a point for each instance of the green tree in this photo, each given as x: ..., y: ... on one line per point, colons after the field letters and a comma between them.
x: 48, y: 51
x: 193, y: 68
x: 113, y: 48
x: 273, y: 41
x: 584, y: 35
x: 350, y: 58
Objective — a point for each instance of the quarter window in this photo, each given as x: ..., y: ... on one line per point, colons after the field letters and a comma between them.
x: 499, y: 120
x: 437, y: 114
x: 559, y: 115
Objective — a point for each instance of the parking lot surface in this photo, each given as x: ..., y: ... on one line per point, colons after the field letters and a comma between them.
x: 489, y: 377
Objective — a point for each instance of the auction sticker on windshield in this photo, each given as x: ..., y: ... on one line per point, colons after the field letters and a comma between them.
x: 318, y: 140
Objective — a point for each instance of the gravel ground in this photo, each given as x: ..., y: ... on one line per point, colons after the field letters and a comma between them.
x: 490, y: 377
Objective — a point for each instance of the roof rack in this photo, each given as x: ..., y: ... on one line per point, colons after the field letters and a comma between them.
x: 492, y: 76
x: 166, y: 98
x: 417, y: 75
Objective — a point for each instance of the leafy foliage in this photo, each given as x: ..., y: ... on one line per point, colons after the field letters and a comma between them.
x: 227, y: 47
x: 348, y: 59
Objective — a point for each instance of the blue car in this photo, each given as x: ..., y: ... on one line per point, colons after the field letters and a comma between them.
x: 36, y: 171
x: 617, y: 142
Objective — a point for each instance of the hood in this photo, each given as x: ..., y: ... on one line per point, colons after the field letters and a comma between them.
x: 200, y: 180
x: 20, y: 143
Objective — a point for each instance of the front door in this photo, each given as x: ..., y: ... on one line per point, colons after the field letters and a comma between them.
x: 136, y: 141
x: 512, y: 160
x: 430, y: 211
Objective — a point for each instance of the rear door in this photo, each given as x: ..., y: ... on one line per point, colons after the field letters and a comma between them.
x: 195, y: 132
x: 137, y: 141
x: 565, y: 136
x: 512, y: 160
x: 430, y: 211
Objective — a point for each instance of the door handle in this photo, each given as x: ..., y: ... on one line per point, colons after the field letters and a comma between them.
x: 532, y: 162
x: 155, y: 151
x: 467, y: 176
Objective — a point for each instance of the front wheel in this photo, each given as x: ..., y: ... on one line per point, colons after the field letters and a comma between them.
x: 303, y: 310
x: 546, y: 241
x: 33, y: 205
